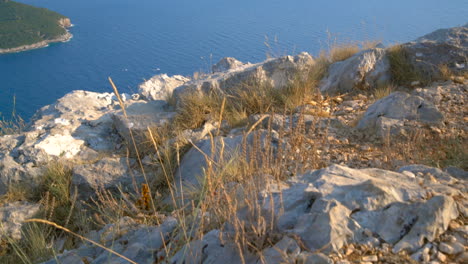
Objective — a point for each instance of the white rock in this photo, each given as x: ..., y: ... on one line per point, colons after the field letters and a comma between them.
x: 368, y: 68
x: 62, y: 121
x: 161, y: 85
x: 60, y: 145
x: 12, y: 216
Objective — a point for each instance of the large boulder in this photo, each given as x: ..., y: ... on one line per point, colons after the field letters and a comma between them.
x: 276, y: 72
x: 362, y: 206
x: 387, y: 114
x: 441, y: 47
x: 364, y: 70
x: 160, y: 86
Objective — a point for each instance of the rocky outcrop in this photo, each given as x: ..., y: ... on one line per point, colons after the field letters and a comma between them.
x: 387, y: 116
x: 343, y: 203
x: 226, y: 64
x: 78, y: 126
x: 276, y: 72
x: 364, y: 70
x: 442, y: 47
x: 65, y: 22
x: 160, y: 86
x: 375, y: 207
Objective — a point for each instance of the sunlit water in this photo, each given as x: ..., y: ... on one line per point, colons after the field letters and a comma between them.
x: 131, y: 40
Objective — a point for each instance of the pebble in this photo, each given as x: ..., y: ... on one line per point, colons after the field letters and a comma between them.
x: 372, y: 258
x: 342, y: 262
x: 446, y: 248
x: 458, y: 79
x: 409, y: 174
x: 441, y: 257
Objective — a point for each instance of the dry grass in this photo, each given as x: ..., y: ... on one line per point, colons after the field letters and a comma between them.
x: 424, y: 147
x: 383, y: 91
x: 445, y: 72
x: 33, y: 248
x: 195, y: 108
x: 58, y: 205
x: 402, y: 70
x: 343, y: 51
x: 17, y: 192
x: 12, y: 126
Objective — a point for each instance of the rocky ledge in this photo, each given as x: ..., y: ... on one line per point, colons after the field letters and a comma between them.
x: 348, y: 176
x: 64, y: 22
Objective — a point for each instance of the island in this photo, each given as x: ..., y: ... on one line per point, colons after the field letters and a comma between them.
x: 24, y: 27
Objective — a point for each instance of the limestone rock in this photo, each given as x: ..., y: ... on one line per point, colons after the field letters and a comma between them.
x: 364, y: 70
x: 135, y: 241
x: 457, y: 173
x: 226, y: 64
x: 399, y: 106
x: 12, y: 216
x: 441, y: 47
x: 285, y: 251
x: 437, y: 173
x: 107, y: 173
x: 355, y: 206
x: 140, y: 116
x: 210, y: 249
x: 276, y: 72
x: 160, y: 86
x: 316, y: 258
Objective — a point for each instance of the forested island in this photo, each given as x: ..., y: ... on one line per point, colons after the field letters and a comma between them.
x: 24, y: 27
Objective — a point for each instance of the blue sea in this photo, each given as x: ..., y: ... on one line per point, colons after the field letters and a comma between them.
x: 132, y: 40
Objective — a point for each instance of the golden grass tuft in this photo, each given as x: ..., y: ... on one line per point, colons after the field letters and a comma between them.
x: 342, y: 52
x: 445, y: 72
x: 383, y: 91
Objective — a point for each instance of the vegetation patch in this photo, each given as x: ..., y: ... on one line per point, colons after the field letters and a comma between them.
x: 402, y: 70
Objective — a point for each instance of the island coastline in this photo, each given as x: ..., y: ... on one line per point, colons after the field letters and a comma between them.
x: 42, y: 44
x: 65, y: 23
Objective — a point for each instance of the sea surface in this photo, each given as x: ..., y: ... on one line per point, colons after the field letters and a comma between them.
x: 132, y: 40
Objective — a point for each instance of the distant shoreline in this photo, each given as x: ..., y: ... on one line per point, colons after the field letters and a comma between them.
x: 65, y: 23
x: 63, y: 38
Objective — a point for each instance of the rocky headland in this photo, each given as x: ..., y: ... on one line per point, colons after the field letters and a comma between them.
x: 25, y: 27
x: 297, y: 159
